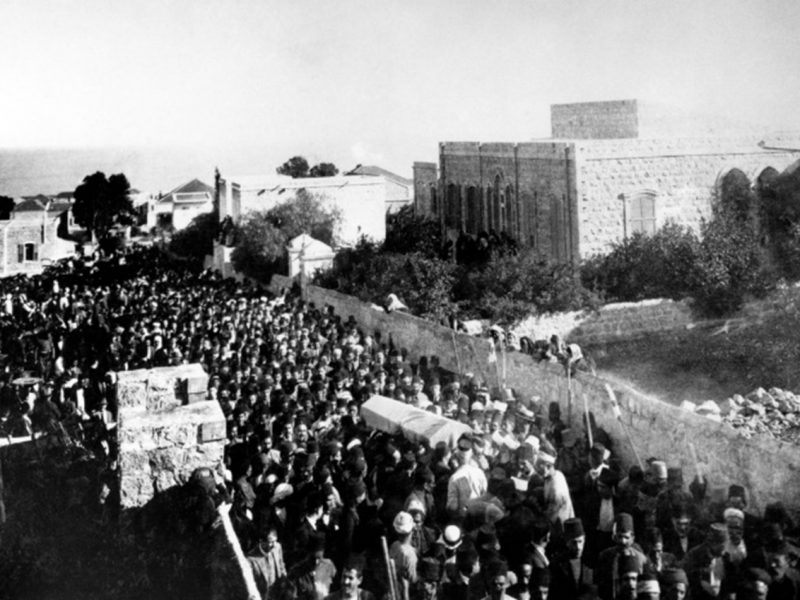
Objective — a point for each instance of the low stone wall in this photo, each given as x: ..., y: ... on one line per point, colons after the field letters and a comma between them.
x: 623, y: 321
x: 457, y: 352
x: 768, y: 468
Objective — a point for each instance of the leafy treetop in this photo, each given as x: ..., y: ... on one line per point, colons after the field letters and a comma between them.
x: 101, y: 203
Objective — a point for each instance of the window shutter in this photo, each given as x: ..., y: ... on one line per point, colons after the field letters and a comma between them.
x: 20, y: 253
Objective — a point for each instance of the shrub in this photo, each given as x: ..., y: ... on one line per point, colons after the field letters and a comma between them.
x: 407, y: 232
x: 730, y: 266
x: 511, y: 287
x: 657, y: 266
x: 424, y: 284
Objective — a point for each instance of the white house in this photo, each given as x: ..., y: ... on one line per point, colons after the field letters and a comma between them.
x: 361, y: 200
x: 181, y: 205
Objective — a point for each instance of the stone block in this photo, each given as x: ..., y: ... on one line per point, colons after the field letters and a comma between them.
x: 211, y: 432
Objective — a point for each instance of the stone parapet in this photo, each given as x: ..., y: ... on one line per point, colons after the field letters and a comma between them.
x: 166, y: 430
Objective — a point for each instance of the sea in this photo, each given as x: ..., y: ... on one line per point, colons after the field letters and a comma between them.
x: 31, y: 171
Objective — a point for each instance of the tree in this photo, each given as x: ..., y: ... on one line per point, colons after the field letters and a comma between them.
x: 6, y: 206
x: 409, y: 232
x: 323, y: 170
x: 101, y: 203
x: 297, y: 166
x: 263, y: 235
x: 196, y: 240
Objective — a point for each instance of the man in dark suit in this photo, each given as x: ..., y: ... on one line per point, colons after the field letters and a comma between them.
x: 569, y: 571
x: 607, y: 571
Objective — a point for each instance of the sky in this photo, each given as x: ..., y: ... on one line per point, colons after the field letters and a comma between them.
x: 245, y: 84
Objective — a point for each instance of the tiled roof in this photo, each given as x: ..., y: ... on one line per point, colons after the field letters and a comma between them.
x: 375, y: 170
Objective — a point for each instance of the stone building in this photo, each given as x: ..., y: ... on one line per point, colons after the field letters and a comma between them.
x: 180, y: 206
x: 30, y: 238
x: 609, y: 170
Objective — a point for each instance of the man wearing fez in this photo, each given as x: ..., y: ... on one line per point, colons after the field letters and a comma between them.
x: 351, y: 578
x: 674, y: 584
x: 627, y: 572
x: 607, y: 572
x: 428, y: 586
x: 569, y: 570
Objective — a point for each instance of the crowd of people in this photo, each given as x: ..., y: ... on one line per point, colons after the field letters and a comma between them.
x: 324, y: 506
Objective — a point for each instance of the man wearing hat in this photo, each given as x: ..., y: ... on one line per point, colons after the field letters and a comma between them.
x: 429, y: 585
x: 422, y: 537
x: 403, y: 554
x: 628, y: 573
x: 674, y: 584
x: 737, y: 498
x: 705, y: 564
x: 600, y: 511
x: 569, y: 570
x: 754, y: 585
x: 607, y: 572
x: 558, y: 502
x: 647, y: 587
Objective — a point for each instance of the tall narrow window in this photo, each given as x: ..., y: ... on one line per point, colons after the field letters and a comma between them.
x: 642, y: 213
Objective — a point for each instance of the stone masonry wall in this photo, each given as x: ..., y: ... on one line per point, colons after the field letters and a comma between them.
x: 612, y: 119
x: 682, y: 174
x: 767, y: 468
x: 425, y: 180
x: 166, y: 429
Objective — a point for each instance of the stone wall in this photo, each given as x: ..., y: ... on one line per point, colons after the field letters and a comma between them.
x: 682, y: 174
x: 610, y: 119
x: 768, y: 468
x: 425, y: 187
x: 616, y: 322
x: 166, y: 429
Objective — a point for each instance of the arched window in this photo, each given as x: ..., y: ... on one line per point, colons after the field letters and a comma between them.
x: 642, y: 213
x: 512, y: 222
x: 473, y: 210
x: 434, y: 201
x: 453, y: 206
x: 736, y: 194
x: 497, y: 219
x: 487, y: 206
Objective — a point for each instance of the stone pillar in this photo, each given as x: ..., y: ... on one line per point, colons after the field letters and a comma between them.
x: 166, y: 429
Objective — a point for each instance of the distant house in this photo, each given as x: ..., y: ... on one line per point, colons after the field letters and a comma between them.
x: 360, y: 198
x: 30, y: 237
x: 399, y: 190
x: 181, y: 205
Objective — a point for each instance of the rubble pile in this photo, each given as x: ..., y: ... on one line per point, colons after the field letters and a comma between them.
x: 774, y: 412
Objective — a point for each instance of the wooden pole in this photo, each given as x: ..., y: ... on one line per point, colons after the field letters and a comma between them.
x: 588, y: 419
x: 389, y: 570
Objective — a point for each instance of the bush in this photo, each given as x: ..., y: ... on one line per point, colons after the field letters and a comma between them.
x: 197, y: 239
x: 730, y: 266
x: 424, y: 284
x: 657, y: 266
x: 408, y: 232
x: 511, y: 287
